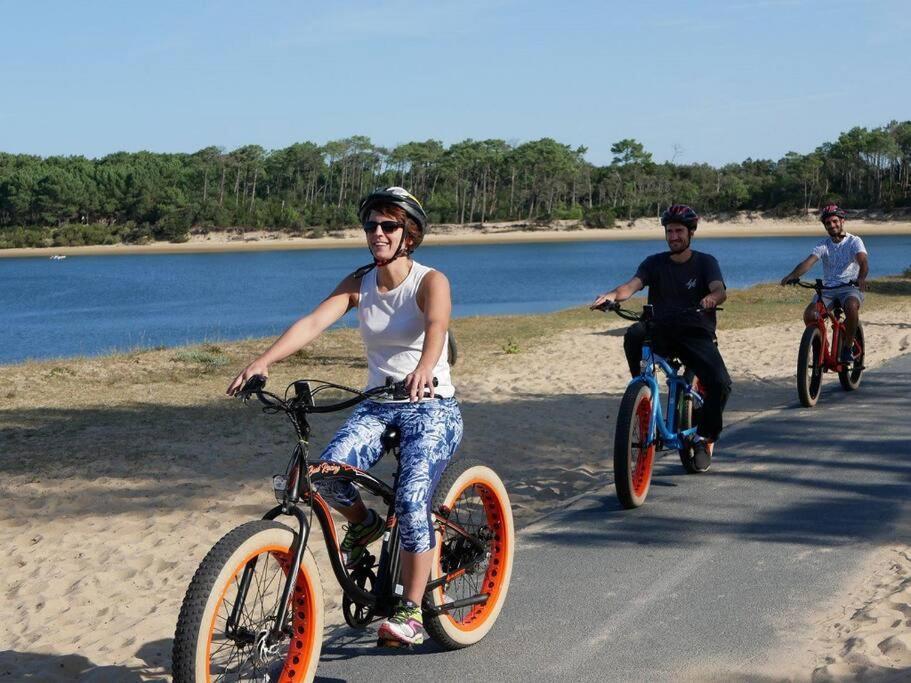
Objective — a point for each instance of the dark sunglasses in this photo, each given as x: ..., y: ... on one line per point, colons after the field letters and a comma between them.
x: 385, y: 226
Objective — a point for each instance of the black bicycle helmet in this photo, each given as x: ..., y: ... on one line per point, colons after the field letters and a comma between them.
x: 831, y: 210
x: 680, y: 213
x: 402, y: 198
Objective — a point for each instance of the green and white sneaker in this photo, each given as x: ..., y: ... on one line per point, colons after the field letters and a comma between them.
x: 405, y: 626
x: 359, y: 536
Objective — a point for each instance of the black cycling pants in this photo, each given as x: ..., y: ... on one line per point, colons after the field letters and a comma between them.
x: 696, y: 348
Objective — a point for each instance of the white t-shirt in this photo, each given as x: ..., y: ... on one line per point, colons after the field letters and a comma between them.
x: 839, y: 262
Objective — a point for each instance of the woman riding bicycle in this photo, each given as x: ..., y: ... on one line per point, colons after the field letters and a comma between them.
x: 403, y: 311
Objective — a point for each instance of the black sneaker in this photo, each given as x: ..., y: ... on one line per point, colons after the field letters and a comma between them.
x: 702, y: 455
x: 847, y: 356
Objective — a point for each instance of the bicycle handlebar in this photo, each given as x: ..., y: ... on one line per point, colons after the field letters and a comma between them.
x: 626, y: 314
x: 818, y: 285
x: 304, y: 396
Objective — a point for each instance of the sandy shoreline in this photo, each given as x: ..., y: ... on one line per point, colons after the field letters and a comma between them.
x: 494, y: 233
x: 119, y: 479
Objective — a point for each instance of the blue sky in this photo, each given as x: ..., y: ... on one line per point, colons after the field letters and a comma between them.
x: 703, y: 81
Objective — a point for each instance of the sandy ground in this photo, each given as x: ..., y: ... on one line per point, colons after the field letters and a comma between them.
x: 742, y: 225
x: 868, y: 636
x: 114, y: 495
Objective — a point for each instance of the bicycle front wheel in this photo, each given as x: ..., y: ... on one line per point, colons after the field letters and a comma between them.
x: 472, y: 497
x: 634, y: 455
x: 809, y: 367
x: 206, y: 649
x: 850, y: 377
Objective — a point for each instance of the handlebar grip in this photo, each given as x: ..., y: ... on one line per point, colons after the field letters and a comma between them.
x: 400, y: 392
x: 253, y: 385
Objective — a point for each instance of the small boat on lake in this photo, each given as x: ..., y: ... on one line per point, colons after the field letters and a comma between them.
x: 58, y: 257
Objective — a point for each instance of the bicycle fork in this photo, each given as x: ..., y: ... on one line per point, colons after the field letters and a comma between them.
x: 276, y: 632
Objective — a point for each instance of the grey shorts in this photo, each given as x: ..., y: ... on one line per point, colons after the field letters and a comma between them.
x: 842, y: 294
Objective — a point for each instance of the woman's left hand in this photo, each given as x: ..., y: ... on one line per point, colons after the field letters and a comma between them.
x: 417, y: 381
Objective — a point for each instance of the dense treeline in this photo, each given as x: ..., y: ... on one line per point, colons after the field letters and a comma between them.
x: 310, y: 188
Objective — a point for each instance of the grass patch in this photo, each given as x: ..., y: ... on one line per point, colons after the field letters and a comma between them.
x: 206, y: 358
x: 510, y: 347
x: 59, y: 371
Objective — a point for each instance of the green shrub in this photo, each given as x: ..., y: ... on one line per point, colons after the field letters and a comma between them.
x: 574, y: 212
x: 599, y: 217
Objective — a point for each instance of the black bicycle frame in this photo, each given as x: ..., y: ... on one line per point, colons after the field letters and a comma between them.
x: 383, y: 598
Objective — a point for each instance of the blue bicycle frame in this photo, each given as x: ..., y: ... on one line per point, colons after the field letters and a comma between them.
x: 660, y: 426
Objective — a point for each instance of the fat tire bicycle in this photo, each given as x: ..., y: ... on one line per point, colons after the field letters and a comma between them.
x: 820, y: 352
x: 254, y: 608
x: 643, y: 428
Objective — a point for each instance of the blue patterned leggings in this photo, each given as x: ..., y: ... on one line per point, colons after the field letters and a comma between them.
x: 431, y: 431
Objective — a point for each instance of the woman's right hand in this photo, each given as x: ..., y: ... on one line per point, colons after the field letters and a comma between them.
x: 257, y: 367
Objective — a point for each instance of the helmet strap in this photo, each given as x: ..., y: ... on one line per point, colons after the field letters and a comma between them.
x: 377, y: 263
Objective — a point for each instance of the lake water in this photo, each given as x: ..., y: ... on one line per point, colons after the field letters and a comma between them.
x: 87, y: 305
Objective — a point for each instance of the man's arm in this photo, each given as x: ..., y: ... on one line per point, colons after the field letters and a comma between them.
x: 717, y: 295
x: 620, y: 293
x: 801, y: 268
x: 864, y: 263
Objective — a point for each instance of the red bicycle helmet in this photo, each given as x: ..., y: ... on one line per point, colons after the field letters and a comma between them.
x: 680, y: 213
x: 831, y: 210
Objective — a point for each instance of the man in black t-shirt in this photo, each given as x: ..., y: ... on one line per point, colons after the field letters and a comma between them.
x: 679, y: 281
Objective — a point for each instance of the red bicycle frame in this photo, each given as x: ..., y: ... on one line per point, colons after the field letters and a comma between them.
x: 830, y: 360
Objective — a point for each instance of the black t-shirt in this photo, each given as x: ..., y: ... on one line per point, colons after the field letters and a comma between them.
x: 674, y: 287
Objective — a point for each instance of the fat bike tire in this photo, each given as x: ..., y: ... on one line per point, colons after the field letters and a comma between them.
x: 850, y: 376
x: 634, y: 456
x: 203, y: 651
x: 472, y: 497
x: 809, y: 367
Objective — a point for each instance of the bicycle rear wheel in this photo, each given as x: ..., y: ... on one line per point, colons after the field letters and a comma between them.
x: 850, y: 378
x: 809, y: 367
x: 472, y: 497
x: 633, y: 456
x: 688, y: 416
x: 204, y: 651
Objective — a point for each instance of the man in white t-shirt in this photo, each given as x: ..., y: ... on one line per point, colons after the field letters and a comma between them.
x: 844, y: 261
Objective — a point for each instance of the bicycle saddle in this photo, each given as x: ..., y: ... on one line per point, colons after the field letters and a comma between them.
x: 391, y: 437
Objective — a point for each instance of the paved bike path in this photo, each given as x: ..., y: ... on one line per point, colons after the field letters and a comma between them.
x: 715, y: 575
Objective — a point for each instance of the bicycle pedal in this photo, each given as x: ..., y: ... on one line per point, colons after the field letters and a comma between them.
x: 391, y: 643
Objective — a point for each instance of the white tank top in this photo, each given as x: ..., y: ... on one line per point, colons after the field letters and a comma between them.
x: 392, y: 327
